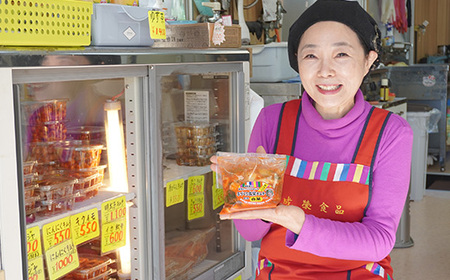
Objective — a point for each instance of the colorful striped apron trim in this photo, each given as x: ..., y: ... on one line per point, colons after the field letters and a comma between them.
x: 263, y: 264
x: 326, y: 171
x: 377, y: 270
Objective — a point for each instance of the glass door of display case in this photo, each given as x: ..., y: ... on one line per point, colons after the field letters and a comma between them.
x: 199, y: 110
x: 73, y: 171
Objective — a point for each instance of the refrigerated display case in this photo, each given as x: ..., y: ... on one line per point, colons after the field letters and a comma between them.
x: 122, y: 141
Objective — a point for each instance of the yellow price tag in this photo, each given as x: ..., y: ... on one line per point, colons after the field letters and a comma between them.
x: 196, y: 207
x: 196, y: 185
x: 217, y: 194
x: 238, y: 278
x: 36, y: 269
x: 114, y: 209
x: 157, y: 24
x: 174, y: 192
x: 34, y: 246
x: 113, y: 235
x: 61, y: 259
x: 56, y: 232
x: 85, y: 226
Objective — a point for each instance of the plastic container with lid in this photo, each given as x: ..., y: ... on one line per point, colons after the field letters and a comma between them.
x: 55, y: 187
x: 194, y: 129
x: 30, y: 190
x: 46, y: 168
x: 43, y: 152
x: 92, y: 267
x: 78, y: 155
x: 57, y: 206
x: 47, y: 131
x: 35, y: 112
x: 94, y: 134
x: 28, y: 167
x: 84, y: 194
x: 30, y: 179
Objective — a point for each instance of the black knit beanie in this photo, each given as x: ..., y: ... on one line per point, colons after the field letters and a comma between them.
x: 349, y: 13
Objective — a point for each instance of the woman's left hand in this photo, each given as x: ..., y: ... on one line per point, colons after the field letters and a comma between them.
x: 290, y: 217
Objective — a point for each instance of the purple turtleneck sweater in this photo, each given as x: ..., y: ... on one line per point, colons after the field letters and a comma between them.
x: 335, y: 141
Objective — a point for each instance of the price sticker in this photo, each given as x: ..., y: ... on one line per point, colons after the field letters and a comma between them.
x: 196, y: 207
x: 238, y: 278
x: 196, y: 185
x: 34, y: 246
x: 217, y: 194
x: 36, y: 269
x: 61, y: 259
x: 113, y: 235
x: 85, y: 226
x: 174, y: 192
x: 157, y: 24
x: 56, y: 232
x: 114, y: 209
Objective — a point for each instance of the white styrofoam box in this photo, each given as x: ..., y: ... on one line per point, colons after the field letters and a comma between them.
x: 270, y: 63
x: 120, y: 25
x: 419, y: 124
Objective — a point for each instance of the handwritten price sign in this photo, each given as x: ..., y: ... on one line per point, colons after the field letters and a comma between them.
x: 34, y: 248
x: 56, y: 232
x: 113, y: 235
x: 114, y: 209
x: 61, y: 259
x: 196, y: 197
x: 195, y: 185
x: 85, y: 226
x: 174, y: 192
x: 157, y: 24
x: 36, y: 269
x: 196, y: 207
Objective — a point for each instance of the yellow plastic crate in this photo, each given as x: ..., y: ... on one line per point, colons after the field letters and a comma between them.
x: 45, y: 23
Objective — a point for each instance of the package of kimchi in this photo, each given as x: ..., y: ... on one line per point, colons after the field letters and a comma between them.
x: 250, y: 181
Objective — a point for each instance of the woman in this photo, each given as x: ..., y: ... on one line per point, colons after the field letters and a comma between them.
x: 348, y: 175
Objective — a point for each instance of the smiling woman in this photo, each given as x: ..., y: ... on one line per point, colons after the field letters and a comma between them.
x: 348, y: 172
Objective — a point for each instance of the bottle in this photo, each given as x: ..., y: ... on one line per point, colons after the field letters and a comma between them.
x: 384, y: 90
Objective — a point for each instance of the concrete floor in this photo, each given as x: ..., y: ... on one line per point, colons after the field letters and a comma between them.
x: 429, y: 258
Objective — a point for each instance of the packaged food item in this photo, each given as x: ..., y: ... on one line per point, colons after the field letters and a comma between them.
x: 44, y: 111
x: 93, y: 134
x: 55, y: 187
x: 46, y: 168
x: 30, y: 190
x: 43, y: 152
x: 47, y: 131
x: 30, y: 203
x: 194, y: 129
x: 87, y: 177
x: 91, y: 267
x: 84, y: 194
x: 250, y: 181
x: 78, y: 155
x: 196, y: 142
x: 30, y: 179
x: 185, y: 249
x: 57, y: 206
x: 28, y: 167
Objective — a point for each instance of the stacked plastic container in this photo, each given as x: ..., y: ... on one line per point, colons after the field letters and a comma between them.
x: 196, y: 143
x: 92, y: 267
x: 64, y: 171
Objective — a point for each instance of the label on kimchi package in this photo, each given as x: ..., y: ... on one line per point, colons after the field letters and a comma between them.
x: 255, y: 193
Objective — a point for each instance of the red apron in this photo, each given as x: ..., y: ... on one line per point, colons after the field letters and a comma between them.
x: 335, y: 191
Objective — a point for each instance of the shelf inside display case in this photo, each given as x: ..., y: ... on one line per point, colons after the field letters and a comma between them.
x: 173, y: 171
x: 79, y: 207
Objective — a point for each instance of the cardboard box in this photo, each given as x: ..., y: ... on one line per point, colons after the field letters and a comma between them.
x: 199, y: 35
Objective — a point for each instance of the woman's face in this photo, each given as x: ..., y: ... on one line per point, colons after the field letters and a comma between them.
x: 332, y: 65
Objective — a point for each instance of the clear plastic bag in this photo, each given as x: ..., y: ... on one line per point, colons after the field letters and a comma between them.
x: 250, y: 181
